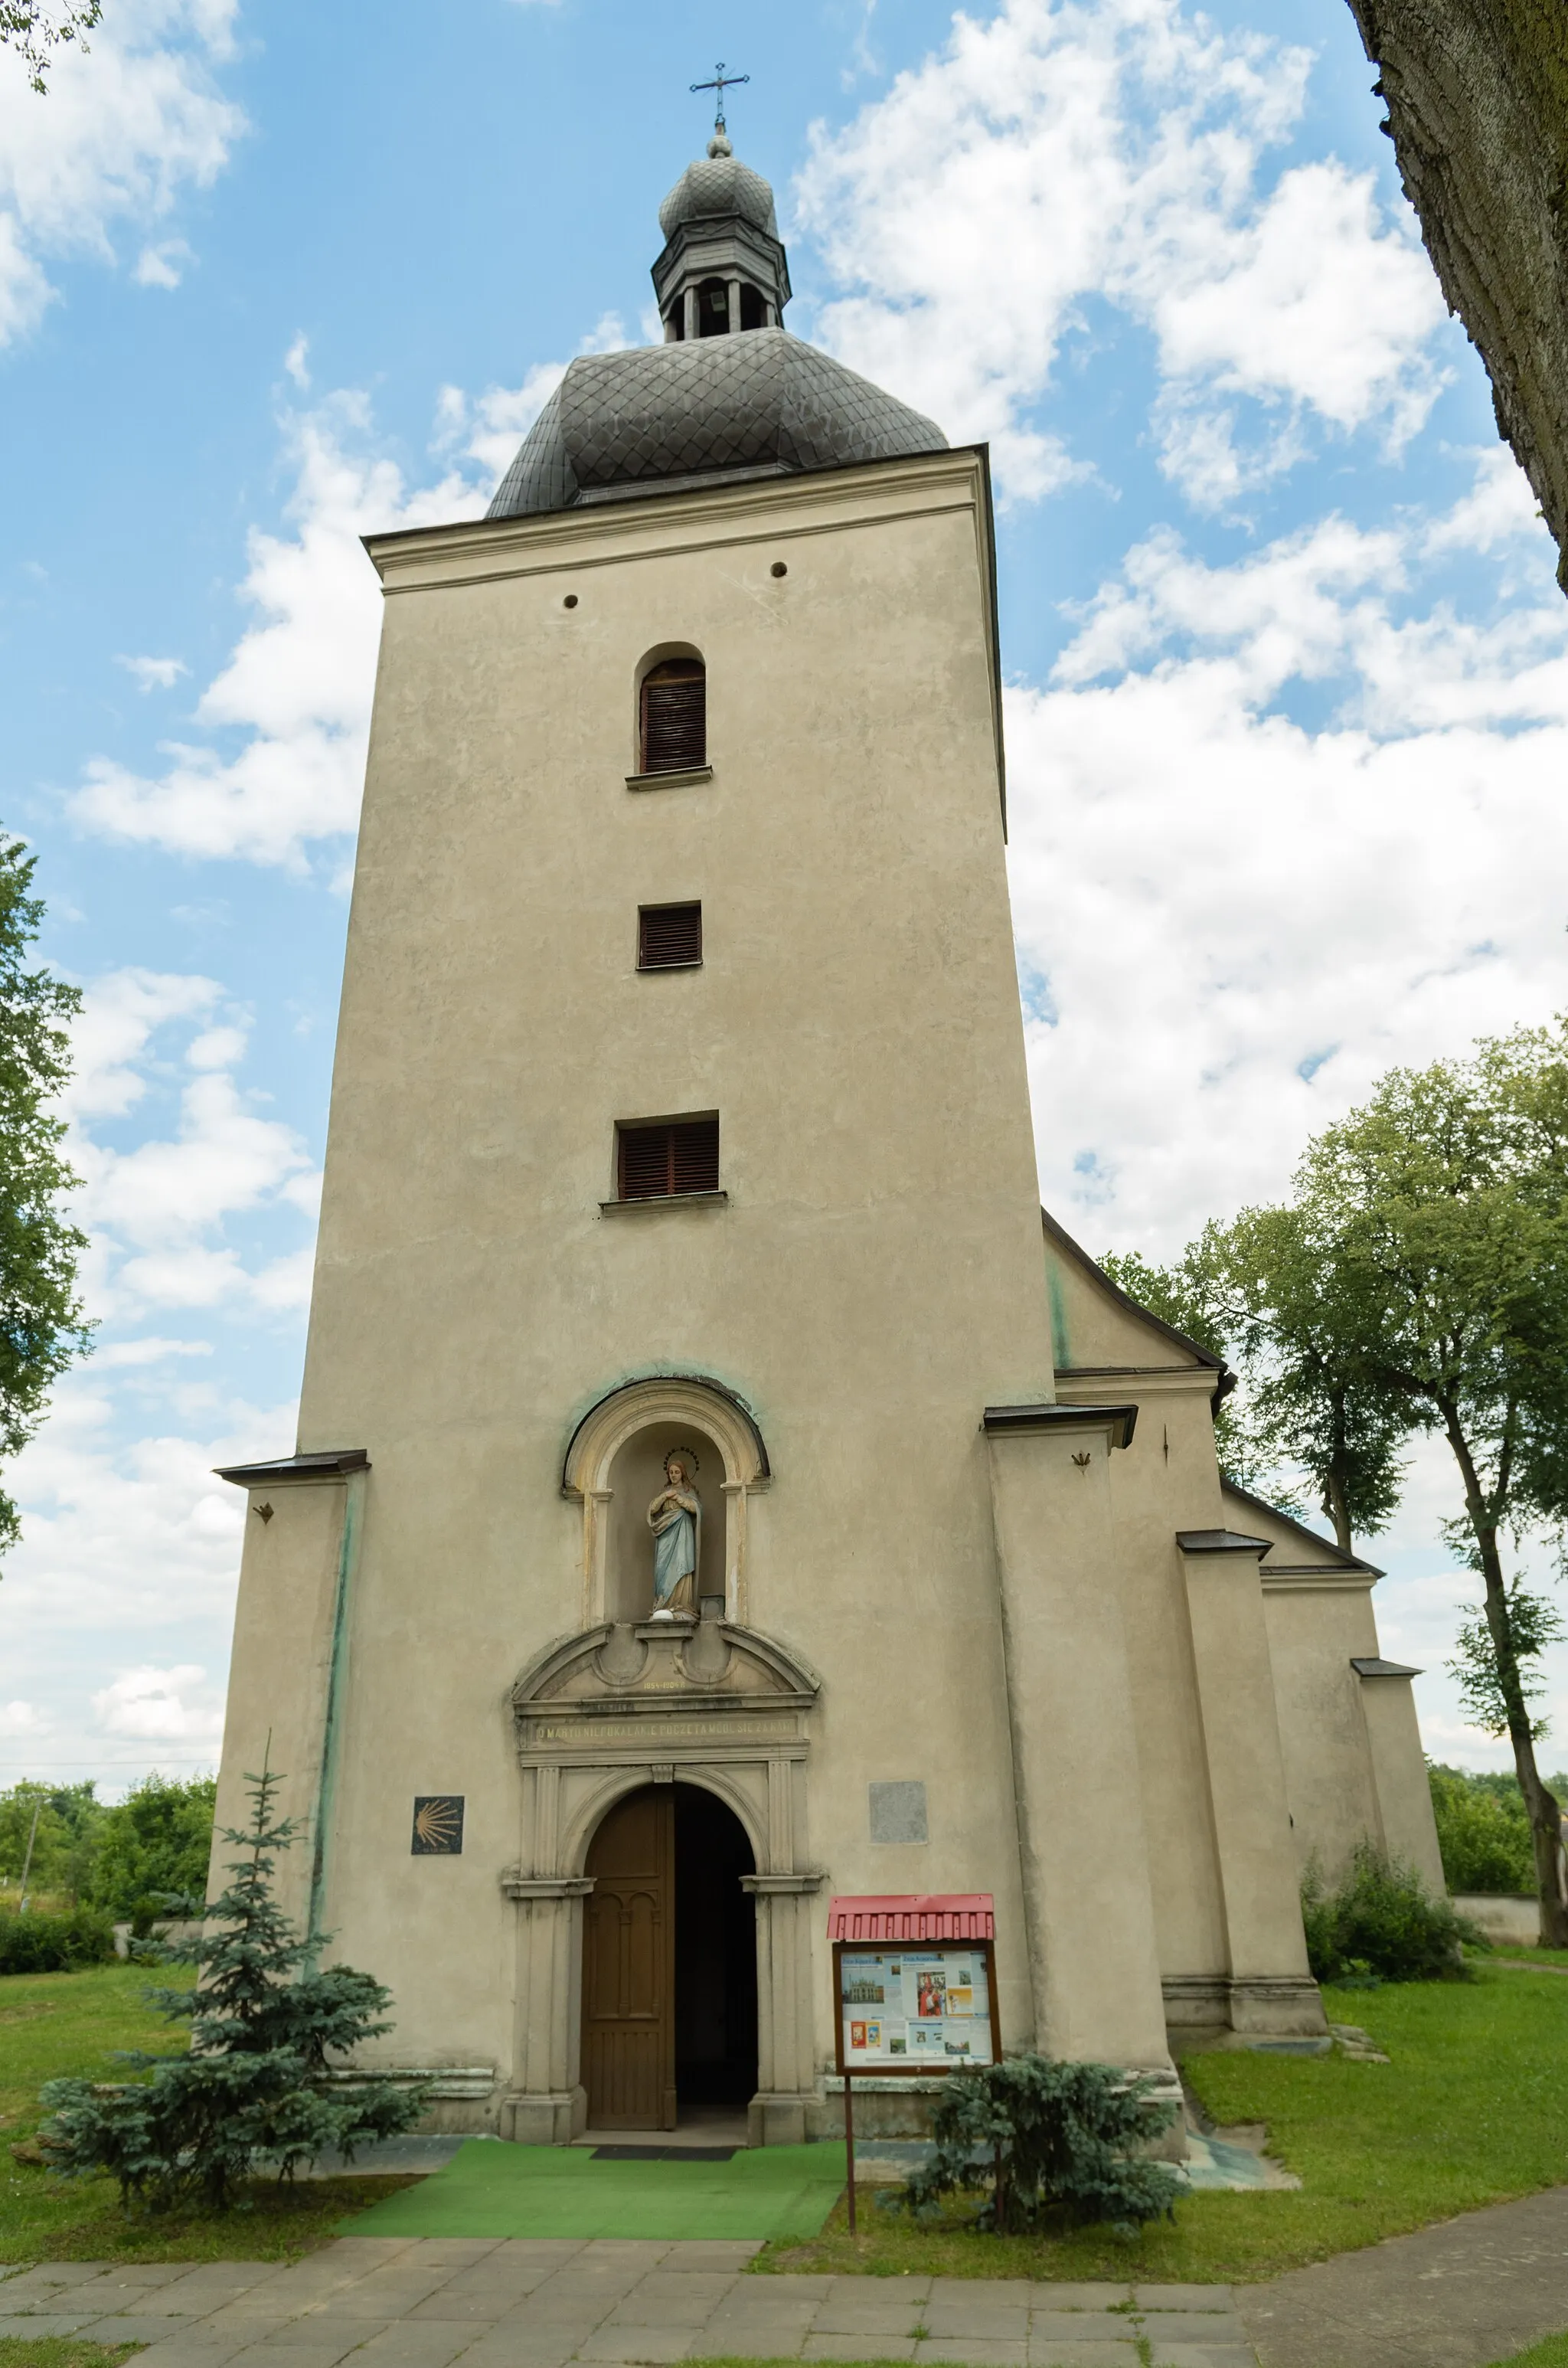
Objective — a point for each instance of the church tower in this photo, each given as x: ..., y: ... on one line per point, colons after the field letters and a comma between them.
x: 688, y: 1524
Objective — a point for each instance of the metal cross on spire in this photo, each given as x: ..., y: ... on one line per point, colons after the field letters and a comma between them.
x: 720, y: 83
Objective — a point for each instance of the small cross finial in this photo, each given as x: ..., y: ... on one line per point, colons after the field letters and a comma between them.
x: 719, y: 84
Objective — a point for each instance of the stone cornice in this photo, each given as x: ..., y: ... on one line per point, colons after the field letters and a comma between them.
x: 826, y: 500
x: 289, y: 1471
x: 1015, y: 1421
x: 1220, y: 1542
x: 1149, y: 1380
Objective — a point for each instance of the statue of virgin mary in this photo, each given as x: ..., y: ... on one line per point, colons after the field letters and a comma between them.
x: 675, y: 1518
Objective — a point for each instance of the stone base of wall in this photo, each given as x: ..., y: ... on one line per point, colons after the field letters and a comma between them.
x: 1279, y: 2005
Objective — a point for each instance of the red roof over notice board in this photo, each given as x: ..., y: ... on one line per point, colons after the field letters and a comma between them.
x: 914, y: 1916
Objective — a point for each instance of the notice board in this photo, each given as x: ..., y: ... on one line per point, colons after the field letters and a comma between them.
x: 930, y: 2007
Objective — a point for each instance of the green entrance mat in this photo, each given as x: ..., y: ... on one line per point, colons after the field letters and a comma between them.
x: 492, y: 2189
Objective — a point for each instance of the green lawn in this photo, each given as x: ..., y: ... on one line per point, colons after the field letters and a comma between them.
x: 53, y: 2023
x: 61, y: 2351
x: 1552, y: 2353
x: 1473, y: 2109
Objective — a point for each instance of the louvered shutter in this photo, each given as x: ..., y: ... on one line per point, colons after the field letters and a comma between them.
x: 668, y: 936
x: 674, y: 717
x: 659, y: 1162
x: 694, y: 1156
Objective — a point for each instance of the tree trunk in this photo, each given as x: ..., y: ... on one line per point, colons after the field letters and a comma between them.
x: 1477, y: 98
x: 1546, y: 1823
x: 1335, y: 1506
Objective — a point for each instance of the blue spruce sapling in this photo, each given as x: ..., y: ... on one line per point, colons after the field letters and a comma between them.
x: 256, y: 2089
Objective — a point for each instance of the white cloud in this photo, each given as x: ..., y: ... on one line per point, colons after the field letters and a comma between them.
x: 22, y: 1718
x: 500, y: 418
x: 149, y: 1351
x: 493, y: 427
x: 128, y: 126
x: 1229, y: 924
x: 150, y: 1210
x: 151, y: 1704
x: 1500, y: 508
x: 299, y: 683
x: 216, y: 1048
x: 1120, y: 146
x: 154, y: 674
x: 284, y: 1287
x: 162, y: 265
x: 224, y: 1158
x: 121, y: 1014
x: 295, y: 361
x: 127, y: 1537
x: 300, y: 680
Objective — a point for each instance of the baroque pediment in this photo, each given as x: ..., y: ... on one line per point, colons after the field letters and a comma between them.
x: 656, y: 1666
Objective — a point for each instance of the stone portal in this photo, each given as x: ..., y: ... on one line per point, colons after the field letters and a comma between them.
x: 611, y: 1727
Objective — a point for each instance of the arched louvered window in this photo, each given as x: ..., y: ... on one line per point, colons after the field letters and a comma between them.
x: 674, y: 716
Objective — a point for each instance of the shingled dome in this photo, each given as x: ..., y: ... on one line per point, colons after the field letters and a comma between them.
x: 762, y: 405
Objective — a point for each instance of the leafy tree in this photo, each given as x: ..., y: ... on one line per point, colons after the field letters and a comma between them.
x: 63, y: 1843
x: 41, y: 1327
x: 256, y: 2084
x: 1483, y: 1831
x: 1295, y: 1413
x: 1057, y: 2143
x: 1179, y: 1295
x: 33, y: 29
x: 152, y: 1846
x: 1423, y: 1262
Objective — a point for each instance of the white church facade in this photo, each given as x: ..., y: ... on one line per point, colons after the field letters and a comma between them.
x: 718, y: 1490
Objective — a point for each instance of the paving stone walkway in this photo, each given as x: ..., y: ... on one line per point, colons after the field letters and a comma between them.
x: 429, y: 2302
x: 1459, y: 2296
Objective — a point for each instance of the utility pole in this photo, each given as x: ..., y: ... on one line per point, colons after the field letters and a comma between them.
x: 27, y: 1863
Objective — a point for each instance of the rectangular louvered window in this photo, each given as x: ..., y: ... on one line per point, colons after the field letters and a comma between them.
x: 674, y: 716
x: 658, y: 1163
x: 669, y: 937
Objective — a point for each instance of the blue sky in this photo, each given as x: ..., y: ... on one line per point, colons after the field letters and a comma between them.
x: 1287, y: 686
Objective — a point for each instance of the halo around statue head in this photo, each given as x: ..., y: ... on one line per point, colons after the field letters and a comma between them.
x: 686, y: 1455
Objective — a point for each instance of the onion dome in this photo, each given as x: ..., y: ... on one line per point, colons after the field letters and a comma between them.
x: 728, y: 394
x: 718, y: 184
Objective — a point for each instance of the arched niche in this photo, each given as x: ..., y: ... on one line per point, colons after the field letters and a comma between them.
x: 614, y: 1467
x: 636, y: 1476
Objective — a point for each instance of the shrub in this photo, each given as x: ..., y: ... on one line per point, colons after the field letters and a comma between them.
x: 1381, y: 1920
x: 256, y: 2082
x: 54, y: 1944
x: 1052, y: 2143
x: 1483, y: 1831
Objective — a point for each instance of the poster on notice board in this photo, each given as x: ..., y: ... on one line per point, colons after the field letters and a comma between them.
x: 927, y: 2008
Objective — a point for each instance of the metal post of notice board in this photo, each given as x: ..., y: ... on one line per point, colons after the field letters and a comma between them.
x: 849, y: 2148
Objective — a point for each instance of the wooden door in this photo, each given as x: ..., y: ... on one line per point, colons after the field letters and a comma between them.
x: 629, y: 2056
